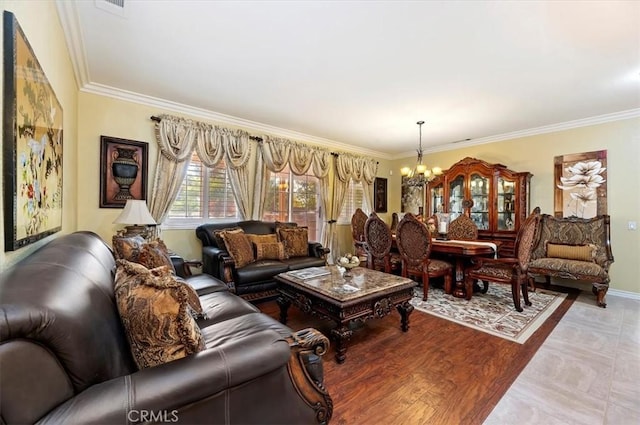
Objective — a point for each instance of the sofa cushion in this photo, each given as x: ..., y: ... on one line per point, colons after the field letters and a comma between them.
x: 270, y: 251
x: 263, y: 270
x: 296, y: 241
x: 298, y: 263
x: 562, y: 267
x: 156, y: 310
x: 571, y: 252
x: 238, y: 247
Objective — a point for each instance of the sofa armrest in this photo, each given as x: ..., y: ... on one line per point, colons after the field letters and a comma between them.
x: 174, y: 386
x: 317, y: 250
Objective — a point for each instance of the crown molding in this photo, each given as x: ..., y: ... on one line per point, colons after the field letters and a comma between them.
x: 245, y: 124
x: 70, y: 22
x: 584, y: 122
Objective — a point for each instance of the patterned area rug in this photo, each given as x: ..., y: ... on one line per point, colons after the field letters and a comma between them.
x: 492, y: 312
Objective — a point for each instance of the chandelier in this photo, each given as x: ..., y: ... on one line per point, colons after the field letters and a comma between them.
x: 420, y: 174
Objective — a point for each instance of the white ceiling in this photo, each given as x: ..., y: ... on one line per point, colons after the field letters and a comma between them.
x: 362, y: 73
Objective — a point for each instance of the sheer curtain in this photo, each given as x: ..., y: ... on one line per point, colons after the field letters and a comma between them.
x: 275, y: 154
x: 214, y: 143
x: 176, y: 139
x: 349, y: 167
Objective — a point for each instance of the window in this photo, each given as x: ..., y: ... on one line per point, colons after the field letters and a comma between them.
x: 353, y: 200
x: 294, y: 198
x: 205, y: 195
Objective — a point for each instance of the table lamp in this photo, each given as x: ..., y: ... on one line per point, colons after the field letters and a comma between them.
x: 136, y: 215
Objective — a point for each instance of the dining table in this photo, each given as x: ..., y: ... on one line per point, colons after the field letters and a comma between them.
x: 463, y: 252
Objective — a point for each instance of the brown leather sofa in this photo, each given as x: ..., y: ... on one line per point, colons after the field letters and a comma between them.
x: 253, y: 282
x: 64, y: 355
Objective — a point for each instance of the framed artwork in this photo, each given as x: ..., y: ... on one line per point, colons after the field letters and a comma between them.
x: 123, y: 171
x: 412, y: 198
x: 380, y: 194
x: 580, y: 184
x: 32, y: 144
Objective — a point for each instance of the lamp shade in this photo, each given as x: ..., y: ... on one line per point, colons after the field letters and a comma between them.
x: 135, y: 212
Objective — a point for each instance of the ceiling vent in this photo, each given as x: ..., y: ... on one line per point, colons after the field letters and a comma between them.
x: 119, y: 3
x: 115, y: 7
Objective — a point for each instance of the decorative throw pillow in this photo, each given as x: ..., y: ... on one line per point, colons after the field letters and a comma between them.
x: 127, y: 248
x: 156, y: 310
x: 571, y: 252
x: 296, y: 241
x: 217, y: 235
x: 238, y: 247
x: 256, y: 239
x: 270, y: 251
x: 279, y: 225
x: 155, y: 254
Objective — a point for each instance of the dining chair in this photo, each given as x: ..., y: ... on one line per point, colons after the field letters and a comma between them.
x: 378, y: 242
x: 358, y: 219
x: 413, y: 240
x: 509, y: 270
x: 463, y: 228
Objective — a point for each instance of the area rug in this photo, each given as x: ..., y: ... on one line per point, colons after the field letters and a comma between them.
x: 492, y: 312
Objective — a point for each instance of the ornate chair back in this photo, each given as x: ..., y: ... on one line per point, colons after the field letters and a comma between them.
x: 527, y: 238
x: 358, y: 220
x: 463, y: 228
x: 413, y: 240
x: 512, y: 271
x: 379, y: 239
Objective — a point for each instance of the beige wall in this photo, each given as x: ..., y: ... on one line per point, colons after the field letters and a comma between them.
x: 100, y: 115
x: 536, y: 154
x: 87, y: 116
x: 39, y: 22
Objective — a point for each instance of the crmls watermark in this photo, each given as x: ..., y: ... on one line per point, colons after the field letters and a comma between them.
x: 152, y: 416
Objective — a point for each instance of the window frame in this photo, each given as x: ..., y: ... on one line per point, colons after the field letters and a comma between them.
x: 184, y: 223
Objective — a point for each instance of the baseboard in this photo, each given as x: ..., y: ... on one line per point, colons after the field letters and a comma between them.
x: 624, y: 294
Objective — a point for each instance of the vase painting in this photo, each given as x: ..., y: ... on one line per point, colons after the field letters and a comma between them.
x: 123, y: 171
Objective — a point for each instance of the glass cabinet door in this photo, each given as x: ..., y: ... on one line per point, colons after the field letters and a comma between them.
x: 456, y: 196
x: 480, y: 190
x: 436, y: 197
x: 506, y: 204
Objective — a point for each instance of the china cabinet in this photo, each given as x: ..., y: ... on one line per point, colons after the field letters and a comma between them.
x: 496, y: 198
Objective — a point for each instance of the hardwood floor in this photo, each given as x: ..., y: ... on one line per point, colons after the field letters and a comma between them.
x: 438, y: 372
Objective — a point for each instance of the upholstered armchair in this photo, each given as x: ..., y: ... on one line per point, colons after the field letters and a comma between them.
x: 413, y: 240
x: 511, y: 271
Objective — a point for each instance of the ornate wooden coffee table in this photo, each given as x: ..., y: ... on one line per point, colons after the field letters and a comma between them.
x: 364, y: 295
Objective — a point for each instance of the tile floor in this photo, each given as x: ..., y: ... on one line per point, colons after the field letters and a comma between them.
x: 586, y: 372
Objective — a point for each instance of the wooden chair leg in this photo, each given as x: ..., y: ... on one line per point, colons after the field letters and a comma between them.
x: 515, y: 292
x: 525, y: 292
x: 425, y: 286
